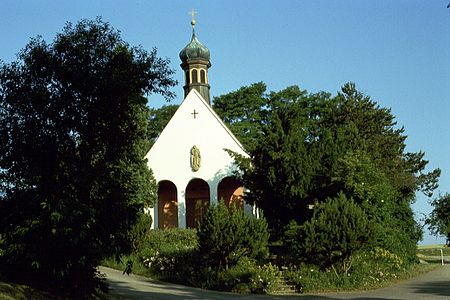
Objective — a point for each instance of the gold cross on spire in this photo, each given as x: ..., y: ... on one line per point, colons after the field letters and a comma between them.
x: 192, y: 13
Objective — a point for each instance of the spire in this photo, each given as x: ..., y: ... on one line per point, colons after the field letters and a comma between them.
x: 192, y: 13
x: 195, y: 62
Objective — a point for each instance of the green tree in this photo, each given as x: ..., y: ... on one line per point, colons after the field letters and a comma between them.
x: 312, y: 147
x: 439, y: 220
x: 159, y: 117
x: 244, y: 112
x: 394, y: 226
x: 337, y: 230
x: 227, y: 235
x: 73, y: 134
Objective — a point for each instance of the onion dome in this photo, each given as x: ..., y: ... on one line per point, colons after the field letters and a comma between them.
x: 195, y: 64
x: 194, y: 50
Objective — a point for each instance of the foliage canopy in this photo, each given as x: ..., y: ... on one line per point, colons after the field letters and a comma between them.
x: 439, y: 219
x: 227, y: 235
x: 73, y: 134
x: 337, y: 230
x: 311, y: 147
x: 159, y: 117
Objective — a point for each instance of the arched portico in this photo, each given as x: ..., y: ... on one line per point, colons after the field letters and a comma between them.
x: 167, y: 205
x: 197, y: 201
x: 231, y: 191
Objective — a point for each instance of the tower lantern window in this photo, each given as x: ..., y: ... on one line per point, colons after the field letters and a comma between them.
x: 194, y: 76
x: 202, y: 76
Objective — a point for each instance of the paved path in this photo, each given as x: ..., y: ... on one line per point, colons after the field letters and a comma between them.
x: 432, y: 285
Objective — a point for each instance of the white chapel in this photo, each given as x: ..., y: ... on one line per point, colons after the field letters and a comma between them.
x: 189, y: 159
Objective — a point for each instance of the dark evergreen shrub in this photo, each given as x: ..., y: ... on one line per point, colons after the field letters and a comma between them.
x: 330, y: 239
x: 139, y: 233
x: 227, y: 235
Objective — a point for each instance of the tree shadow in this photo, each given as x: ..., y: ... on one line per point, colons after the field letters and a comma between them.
x: 437, y: 288
x: 143, y: 288
x: 150, y: 289
x: 136, y: 287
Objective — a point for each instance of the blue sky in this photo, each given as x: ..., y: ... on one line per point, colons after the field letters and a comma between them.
x: 397, y: 52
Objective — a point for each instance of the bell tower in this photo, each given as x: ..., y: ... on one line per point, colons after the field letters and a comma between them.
x: 195, y: 62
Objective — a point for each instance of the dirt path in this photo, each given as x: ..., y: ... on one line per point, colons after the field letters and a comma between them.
x: 432, y: 285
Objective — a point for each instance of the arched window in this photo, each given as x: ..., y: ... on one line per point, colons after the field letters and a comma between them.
x: 202, y: 76
x: 194, y: 76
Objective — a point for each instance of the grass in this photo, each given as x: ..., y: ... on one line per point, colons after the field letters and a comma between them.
x: 323, y: 282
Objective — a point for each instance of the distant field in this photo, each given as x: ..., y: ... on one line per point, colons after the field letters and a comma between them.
x: 431, y: 246
x: 432, y: 253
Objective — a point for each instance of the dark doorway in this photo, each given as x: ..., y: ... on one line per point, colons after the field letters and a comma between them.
x: 197, y: 201
x: 231, y: 191
x: 167, y: 205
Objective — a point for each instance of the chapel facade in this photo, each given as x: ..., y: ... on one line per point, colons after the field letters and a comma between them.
x: 189, y: 159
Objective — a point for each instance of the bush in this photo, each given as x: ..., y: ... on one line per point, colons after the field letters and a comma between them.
x: 245, y: 277
x: 227, y: 235
x: 265, y: 279
x: 170, y: 240
x: 370, y: 269
x: 140, y: 231
x: 336, y: 231
x: 292, y: 250
x: 171, y: 254
x: 175, y: 266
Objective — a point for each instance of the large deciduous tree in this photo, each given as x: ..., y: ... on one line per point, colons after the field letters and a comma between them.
x: 73, y: 135
x: 243, y: 112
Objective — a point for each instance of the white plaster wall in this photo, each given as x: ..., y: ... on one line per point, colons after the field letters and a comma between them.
x: 169, y: 158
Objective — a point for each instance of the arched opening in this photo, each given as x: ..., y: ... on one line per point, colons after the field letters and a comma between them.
x: 202, y: 76
x: 167, y: 205
x: 231, y: 191
x: 194, y: 76
x: 197, y: 201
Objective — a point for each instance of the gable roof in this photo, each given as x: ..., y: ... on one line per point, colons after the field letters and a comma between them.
x: 195, y: 96
x: 194, y: 123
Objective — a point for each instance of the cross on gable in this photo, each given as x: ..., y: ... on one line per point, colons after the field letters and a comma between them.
x: 195, y: 113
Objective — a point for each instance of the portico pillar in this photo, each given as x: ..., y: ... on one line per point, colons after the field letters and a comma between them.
x: 181, y: 208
